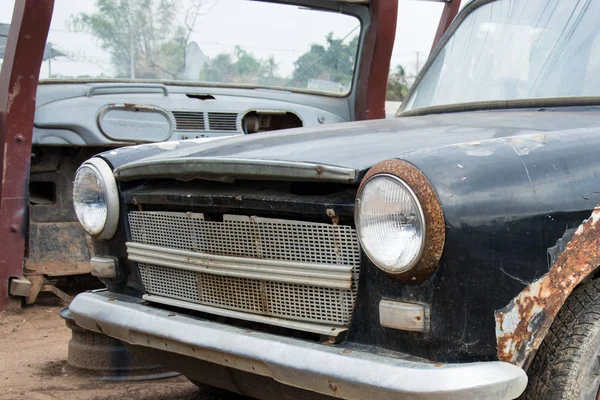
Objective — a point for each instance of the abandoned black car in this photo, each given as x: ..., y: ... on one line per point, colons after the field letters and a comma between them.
x: 449, y: 253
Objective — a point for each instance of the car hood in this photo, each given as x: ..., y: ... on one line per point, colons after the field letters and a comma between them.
x: 342, y: 150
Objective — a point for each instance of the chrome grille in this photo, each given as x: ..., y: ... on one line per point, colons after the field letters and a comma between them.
x: 222, y: 121
x: 254, y: 238
x: 189, y: 120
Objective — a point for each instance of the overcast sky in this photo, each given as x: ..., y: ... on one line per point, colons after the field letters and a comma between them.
x: 248, y: 24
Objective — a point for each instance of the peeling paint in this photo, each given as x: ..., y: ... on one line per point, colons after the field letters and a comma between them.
x: 15, y: 92
x: 167, y: 145
x: 5, y: 163
x: 522, y: 325
x: 524, y: 145
x: 480, y: 151
x: 521, y: 145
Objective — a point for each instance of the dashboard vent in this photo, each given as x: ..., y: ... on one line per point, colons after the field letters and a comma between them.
x: 189, y: 120
x: 222, y: 121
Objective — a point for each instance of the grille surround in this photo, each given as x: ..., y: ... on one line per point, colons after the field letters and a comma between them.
x: 254, y: 238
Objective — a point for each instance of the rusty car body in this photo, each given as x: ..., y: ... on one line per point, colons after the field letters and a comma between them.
x: 266, y: 265
x: 76, y: 118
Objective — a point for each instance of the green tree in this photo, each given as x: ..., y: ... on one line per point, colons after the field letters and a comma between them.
x: 397, y: 88
x: 241, y: 67
x: 332, y: 62
x: 141, y: 36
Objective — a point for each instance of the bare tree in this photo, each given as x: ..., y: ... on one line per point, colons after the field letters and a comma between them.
x: 144, y: 37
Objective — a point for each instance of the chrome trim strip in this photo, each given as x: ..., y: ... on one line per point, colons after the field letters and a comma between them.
x: 327, y: 330
x: 356, y: 372
x: 331, y: 276
x: 357, y: 217
x: 229, y: 169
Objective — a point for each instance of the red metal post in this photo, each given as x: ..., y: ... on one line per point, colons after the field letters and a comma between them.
x: 18, y: 84
x: 450, y: 10
x: 375, y: 60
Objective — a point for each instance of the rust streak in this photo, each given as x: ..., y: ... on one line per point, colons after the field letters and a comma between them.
x: 15, y: 92
x: 522, y: 325
x: 5, y: 163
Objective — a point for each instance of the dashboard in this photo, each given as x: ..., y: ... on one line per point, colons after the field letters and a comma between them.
x: 109, y: 114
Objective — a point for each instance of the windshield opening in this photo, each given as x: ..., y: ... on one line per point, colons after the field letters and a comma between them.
x: 516, y: 50
x: 232, y: 42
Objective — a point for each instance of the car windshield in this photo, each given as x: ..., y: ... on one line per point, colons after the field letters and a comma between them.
x: 516, y: 49
x: 237, y: 42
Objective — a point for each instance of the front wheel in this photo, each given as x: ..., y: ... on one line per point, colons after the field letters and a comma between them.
x: 567, y: 364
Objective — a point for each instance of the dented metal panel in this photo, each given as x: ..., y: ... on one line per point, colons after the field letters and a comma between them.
x: 303, y: 273
x: 228, y: 169
x: 522, y: 325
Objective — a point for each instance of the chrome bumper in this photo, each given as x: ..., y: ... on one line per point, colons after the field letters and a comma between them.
x: 344, y: 371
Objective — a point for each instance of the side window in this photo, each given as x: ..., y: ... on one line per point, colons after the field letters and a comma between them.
x: 415, y: 30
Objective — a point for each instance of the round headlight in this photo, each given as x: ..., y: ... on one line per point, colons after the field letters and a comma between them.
x: 390, y: 223
x: 95, y: 199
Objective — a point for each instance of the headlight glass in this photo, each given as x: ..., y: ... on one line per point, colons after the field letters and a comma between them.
x: 89, y: 200
x: 390, y: 224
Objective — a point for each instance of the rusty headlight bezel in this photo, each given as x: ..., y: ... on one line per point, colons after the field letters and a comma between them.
x: 434, y: 223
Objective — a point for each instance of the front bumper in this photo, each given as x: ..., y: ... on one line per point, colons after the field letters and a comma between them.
x: 344, y: 371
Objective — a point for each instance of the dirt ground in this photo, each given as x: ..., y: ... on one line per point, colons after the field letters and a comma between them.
x: 33, y: 354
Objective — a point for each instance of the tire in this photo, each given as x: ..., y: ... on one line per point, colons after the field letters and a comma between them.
x: 567, y: 364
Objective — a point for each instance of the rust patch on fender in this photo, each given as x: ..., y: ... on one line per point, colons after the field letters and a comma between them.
x: 522, y: 325
x: 435, y: 232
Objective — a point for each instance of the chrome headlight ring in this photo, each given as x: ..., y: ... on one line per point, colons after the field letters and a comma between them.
x: 390, y: 223
x: 96, y: 198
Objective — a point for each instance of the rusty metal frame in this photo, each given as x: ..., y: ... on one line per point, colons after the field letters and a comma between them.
x: 451, y: 9
x: 523, y: 324
x: 376, y: 55
x: 18, y: 85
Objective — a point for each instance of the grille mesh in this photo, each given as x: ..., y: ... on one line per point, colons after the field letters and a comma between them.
x: 222, y: 121
x: 253, y: 238
x: 189, y: 120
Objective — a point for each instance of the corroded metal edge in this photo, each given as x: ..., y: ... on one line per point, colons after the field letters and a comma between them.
x: 522, y: 325
x: 435, y: 234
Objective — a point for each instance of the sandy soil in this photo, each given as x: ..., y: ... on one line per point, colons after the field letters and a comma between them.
x: 33, y: 353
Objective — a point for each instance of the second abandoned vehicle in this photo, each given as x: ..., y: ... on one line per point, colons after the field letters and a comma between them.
x: 451, y: 252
